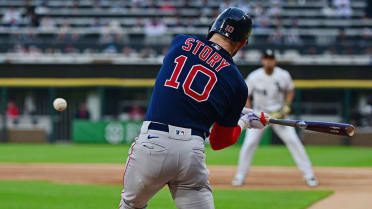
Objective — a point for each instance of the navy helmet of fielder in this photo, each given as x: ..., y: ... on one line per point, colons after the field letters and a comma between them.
x: 232, y: 23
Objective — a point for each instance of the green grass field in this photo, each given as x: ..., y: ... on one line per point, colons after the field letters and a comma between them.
x: 45, y: 195
x: 265, y: 155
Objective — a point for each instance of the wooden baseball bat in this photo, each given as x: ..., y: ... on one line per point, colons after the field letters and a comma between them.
x: 342, y: 129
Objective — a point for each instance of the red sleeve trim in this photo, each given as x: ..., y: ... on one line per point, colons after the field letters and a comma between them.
x: 222, y: 136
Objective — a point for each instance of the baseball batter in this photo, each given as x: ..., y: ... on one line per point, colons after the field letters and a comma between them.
x: 271, y: 89
x: 198, y: 86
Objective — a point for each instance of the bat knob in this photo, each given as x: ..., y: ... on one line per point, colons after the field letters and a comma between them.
x: 350, y: 130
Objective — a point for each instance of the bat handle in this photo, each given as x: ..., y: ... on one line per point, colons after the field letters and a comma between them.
x: 293, y: 123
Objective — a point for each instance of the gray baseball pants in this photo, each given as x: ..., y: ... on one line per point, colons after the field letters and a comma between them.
x: 175, y: 158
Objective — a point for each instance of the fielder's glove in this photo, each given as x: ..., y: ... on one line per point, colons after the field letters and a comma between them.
x: 253, y: 120
x: 282, y: 113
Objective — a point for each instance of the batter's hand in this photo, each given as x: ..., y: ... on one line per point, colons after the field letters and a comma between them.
x: 253, y: 120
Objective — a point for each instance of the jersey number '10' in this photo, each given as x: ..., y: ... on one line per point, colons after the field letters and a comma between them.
x: 195, y: 69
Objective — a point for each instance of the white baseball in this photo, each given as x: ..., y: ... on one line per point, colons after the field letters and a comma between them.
x: 60, y: 104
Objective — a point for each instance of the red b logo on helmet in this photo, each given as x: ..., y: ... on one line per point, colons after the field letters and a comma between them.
x: 229, y: 28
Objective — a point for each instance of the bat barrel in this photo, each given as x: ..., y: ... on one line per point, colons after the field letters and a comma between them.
x: 331, y: 128
x: 325, y: 127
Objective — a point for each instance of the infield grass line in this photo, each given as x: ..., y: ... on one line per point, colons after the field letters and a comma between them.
x: 337, y: 156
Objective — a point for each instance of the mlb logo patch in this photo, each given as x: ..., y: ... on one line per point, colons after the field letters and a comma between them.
x: 180, y: 133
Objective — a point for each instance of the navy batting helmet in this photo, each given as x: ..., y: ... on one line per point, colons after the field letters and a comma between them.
x: 232, y: 23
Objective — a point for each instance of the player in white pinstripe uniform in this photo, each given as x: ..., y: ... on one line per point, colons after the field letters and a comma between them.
x: 270, y: 89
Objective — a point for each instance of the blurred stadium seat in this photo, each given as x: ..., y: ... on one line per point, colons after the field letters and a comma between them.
x: 89, y: 27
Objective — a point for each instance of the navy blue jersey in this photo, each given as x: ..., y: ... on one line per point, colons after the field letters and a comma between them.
x: 198, y: 84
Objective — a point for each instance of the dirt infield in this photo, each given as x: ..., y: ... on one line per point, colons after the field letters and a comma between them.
x: 352, y: 186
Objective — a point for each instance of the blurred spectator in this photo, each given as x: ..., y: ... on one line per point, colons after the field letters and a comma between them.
x: 114, y: 27
x: 136, y: 113
x: 312, y: 50
x: 215, y: 13
x: 245, y: 6
x: 52, y: 51
x: 343, y: 8
x: 12, y: 17
x: 83, y: 113
x: 18, y: 49
x: 128, y: 52
x: 275, y: 2
x: 97, y: 5
x: 150, y: 4
x: 261, y: 23
x: 106, y: 38
x: 368, y: 51
x: 70, y: 49
x: 205, y: 10
x: 331, y: 50
x: 42, y: 8
x: 63, y: 29
x: 76, y: 4
x: 179, y: 23
x: 117, y: 5
x: 34, y: 50
x: 293, y: 38
x: 167, y: 6
x: 364, y: 109
x: 258, y: 10
x: 47, y: 23
x: 366, y: 37
x: 148, y: 52
x: 342, y: 39
x: 135, y: 4
x: 111, y: 49
x: 97, y: 23
x: 32, y: 17
x: 138, y: 25
x: 276, y: 38
x: 190, y: 22
x: 275, y: 9
x: 29, y: 107
x: 164, y: 51
x: 120, y: 38
x: 186, y: 3
x: 24, y: 38
x: 328, y: 10
x: 155, y: 27
x: 226, y: 4
x: 12, y: 111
